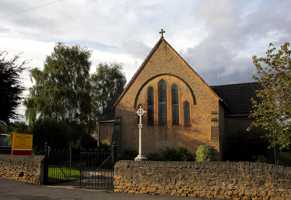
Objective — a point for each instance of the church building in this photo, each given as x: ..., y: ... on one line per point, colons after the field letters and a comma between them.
x: 182, y: 110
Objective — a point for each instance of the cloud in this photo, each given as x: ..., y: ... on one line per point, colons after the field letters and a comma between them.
x: 236, y: 31
x: 217, y: 37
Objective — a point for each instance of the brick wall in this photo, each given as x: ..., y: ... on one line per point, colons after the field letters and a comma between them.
x: 221, y: 180
x: 28, y: 169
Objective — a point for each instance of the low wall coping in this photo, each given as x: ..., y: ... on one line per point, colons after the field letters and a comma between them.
x: 16, y: 157
x: 195, y: 165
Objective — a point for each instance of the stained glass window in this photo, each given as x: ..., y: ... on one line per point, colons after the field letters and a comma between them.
x: 162, y: 102
x: 150, y: 108
x: 186, y: 107
x: 175, y: 104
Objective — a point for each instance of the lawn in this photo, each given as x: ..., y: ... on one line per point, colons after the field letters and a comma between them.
x: 63, y: 173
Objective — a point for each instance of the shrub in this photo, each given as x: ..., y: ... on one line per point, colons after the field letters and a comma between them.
x: 19, y: 127
x: 172, y: 154
x: 3, y: 127
x: 86, y: 142
x: 204, y: 153
x: 58, y: 134
x: 128, y: 155
x: 234, y: 145
x: 261, y: 158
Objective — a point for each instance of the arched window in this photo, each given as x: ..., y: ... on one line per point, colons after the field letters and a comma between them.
x: 186, y: 107
x: 175, y: 104
x: 162, y: 102
x: 150, y: 106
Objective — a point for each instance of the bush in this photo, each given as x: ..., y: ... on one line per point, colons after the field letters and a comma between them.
x: 172, y: 154
x: 261, y: 158
x: 58, y: 134
x: 128, y: 155
x: 285, y: 158
x: 18, y: 127
x: 87, y: 142
x: 3, y: 128
x: 234, y: 146
x: 205, y: 153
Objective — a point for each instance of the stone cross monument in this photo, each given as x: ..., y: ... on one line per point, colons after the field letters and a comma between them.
x: 140, y: 112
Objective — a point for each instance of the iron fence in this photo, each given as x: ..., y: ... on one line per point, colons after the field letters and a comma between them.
x: 84, y: 168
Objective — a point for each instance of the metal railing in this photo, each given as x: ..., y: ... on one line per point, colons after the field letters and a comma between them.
x: 89, y: 169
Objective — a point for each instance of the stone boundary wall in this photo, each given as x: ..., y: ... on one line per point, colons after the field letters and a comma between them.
x: 219, y: 180
x: 28, y: 169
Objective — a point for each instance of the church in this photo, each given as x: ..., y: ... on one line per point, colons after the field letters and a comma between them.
x: 182, y: 110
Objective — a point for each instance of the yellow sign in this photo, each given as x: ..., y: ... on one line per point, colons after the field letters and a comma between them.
x: 21, y: 141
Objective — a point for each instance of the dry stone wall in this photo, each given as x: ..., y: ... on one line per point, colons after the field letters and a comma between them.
x: 28, y: 169
x: 212, y: 180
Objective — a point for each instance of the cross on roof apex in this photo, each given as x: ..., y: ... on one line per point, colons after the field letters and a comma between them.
x: 162, y: 32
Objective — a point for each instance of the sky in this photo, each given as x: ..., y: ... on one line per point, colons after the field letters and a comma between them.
x: 218, y: 38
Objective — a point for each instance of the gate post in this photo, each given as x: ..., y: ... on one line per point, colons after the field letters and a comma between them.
x: 45, y: 164
x: 113, y: 152
x: 115, y: 145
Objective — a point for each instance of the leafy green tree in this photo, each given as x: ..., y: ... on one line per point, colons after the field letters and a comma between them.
x: 107, y: 84
x: 10, y: 86
x: 65, y: 100
x: 58, y: 134
x: 3, y: 127
x: 20, y: 127
x: 61, y: 90
x: 271, y: 107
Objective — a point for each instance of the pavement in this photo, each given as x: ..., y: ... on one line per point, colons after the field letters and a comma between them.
x: 12, y: 190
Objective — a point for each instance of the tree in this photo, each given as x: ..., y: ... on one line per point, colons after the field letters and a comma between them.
x: 271, y: 107
x: 20, y: 127
x: 10, y: 86
x: 3, y: 127
x: 62, y: 89
x: 107, y: 84
x: 65, y: 100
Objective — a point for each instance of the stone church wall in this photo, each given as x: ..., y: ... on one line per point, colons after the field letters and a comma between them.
x: 211, y: 180
x: 165, y: 63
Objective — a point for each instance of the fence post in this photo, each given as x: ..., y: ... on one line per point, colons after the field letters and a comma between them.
x: 45, y: 164
x: 70, y: 159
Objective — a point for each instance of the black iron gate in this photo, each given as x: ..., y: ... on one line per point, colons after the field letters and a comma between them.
x: 96, y: 170
x: 83, y: 168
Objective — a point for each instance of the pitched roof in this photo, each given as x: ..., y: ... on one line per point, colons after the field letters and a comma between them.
x: 139, y: 70
x: 162, y: 39
x: 237, y: 97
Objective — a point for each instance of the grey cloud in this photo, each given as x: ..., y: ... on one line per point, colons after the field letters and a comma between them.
x: 92, y: 44
x: 4, y: 30
x: 231, y: 32
x: 135, y: 48
x: 234, y: 30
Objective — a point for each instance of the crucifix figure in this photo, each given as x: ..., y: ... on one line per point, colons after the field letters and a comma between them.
x: 140, y: 112
x: 162, y: 32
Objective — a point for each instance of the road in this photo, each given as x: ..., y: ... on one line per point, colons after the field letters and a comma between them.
x: 12, y: 190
